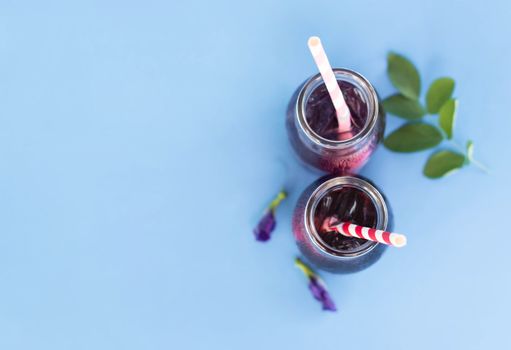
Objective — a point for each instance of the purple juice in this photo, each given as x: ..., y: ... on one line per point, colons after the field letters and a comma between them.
x: 345, y: 204
x: 313, y: 130
x: 321, y: 116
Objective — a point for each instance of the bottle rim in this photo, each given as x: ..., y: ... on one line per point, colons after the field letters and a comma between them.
x: 382, y: 214
x: 369, y: 94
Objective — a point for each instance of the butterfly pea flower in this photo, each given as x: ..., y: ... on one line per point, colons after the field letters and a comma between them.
x: 266, y: 225
x: 316, y: 286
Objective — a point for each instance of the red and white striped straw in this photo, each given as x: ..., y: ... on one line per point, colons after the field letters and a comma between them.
x: 321, y: 59
x: 371, y: 234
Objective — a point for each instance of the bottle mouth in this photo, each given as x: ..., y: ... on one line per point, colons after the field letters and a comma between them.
x: 367, y: 93
x: 382, y: 215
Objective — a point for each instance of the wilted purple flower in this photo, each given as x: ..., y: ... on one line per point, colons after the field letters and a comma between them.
x: 317, y: 286
x: 265, y: 226
x: 267, y: 223
x: 319, y: 292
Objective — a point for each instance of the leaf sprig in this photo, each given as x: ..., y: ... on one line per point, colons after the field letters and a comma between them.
x: 416, y: 134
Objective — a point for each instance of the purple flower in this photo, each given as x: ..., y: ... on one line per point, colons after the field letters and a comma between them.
x: 319, y: 292
x: 267, y: 223
x: 317, y: 286
x: 265, y: 226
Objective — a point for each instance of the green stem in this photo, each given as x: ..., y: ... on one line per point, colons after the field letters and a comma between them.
x: 472, y: 161
x: 306, y: 269
x: 458, y: 146
x: 276, y: 201
x: 480, y: 166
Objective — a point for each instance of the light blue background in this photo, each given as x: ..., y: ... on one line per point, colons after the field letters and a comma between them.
x: 139, y: 142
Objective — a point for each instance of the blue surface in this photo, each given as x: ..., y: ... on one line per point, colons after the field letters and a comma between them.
x: 140, y: 141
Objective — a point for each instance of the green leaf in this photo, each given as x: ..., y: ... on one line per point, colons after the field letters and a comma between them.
x: 403, y: 75
x: 443, y: 163
x: 403, y: 107
x: 438, y: 93
x: 447, y: 116
x: 413, y: 137
x: 470, y: 150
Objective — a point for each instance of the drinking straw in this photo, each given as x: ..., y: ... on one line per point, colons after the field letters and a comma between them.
x: 371, y: 234
x: 321, y: 59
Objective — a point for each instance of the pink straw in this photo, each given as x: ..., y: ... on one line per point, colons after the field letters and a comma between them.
x: 321, y: 59
x: 370, y: 234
